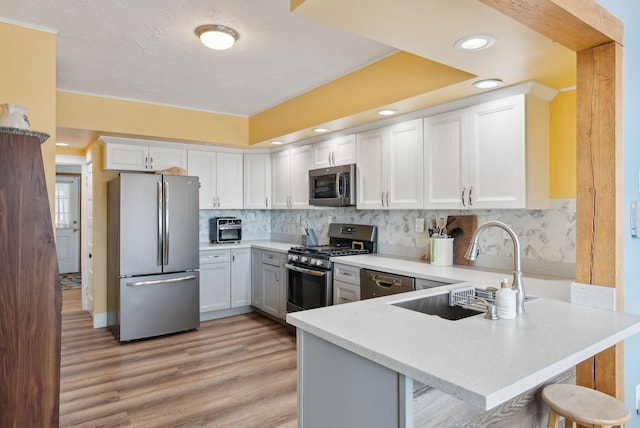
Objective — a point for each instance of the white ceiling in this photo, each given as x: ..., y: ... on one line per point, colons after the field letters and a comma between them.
x: 146, y: 50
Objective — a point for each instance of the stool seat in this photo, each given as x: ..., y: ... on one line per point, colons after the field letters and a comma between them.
x: 584, y: 405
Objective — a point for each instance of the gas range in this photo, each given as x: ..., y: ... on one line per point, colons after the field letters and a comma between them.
x: 318, y: 256
x: 344, y: 240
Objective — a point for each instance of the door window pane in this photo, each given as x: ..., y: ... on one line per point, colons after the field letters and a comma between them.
x: 63, y: 204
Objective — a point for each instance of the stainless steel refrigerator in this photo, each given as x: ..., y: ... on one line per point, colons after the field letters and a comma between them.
x: 152, y: 255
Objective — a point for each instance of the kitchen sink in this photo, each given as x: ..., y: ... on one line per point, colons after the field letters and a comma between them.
x: 437, y: 305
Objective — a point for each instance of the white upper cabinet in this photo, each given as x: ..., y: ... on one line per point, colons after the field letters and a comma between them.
x: 336, y: 151
x: 490, y: 155
x: 257, y: 181
x: 121, y: 154
x: 290, y: 173
x: 220, y: 177
x: 390, y: 167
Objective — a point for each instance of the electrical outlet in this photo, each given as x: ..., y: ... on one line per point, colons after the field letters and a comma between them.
x: 638, y: 399
x: 298, y: 218
x: 420, y: 225
x: 329, y: 219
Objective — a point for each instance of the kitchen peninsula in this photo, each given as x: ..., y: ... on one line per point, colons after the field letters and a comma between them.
x: 357, y: 361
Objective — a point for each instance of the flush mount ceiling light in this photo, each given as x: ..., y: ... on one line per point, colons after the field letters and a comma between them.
x: 475, y: 43
x: 387, y: 112
x: 62, y: 144
x: 487, y: 83
x: 218, y: 37
x: 276, y: 143
x: 320, y: 130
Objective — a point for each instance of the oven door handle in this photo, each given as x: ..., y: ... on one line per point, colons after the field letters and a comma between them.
x: 303, y: 270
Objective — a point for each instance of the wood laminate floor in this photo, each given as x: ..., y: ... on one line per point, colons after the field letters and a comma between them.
x: 234, y: 372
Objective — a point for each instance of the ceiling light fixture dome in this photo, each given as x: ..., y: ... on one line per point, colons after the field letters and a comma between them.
x: 487, y: 83
x: 218, y: 37
x: 476, y: 42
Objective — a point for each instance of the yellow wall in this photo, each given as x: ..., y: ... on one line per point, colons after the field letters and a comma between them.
x: 562, y: 145
x: 112, y: 116
x: 394, y: 78
x: 28, y: 78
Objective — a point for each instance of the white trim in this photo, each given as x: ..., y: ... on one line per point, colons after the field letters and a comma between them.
x: 100, y: 320
x: 31, y: 26
x: 70, y: 160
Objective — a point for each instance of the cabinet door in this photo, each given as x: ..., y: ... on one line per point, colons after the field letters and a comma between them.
x: 281, y: 173
x: 202, y: 164
x: 446, y: 140
x: 271, y: 286
x: 404, y: 156
x: 344, y: 150
x: 165, y: 157
x: 126, y: 157
x: 257, y: 293
x: 497, y: 163
x: 369, y: 181
x: 215, y: 287
x: 229, y: 180
x: 240, y: 277
x: 343, y: 292
x: 322, y: 154
x: 257, y: 181
x: 300, y: 162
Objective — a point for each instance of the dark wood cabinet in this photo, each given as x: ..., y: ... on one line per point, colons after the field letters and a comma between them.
x: 30, y: 294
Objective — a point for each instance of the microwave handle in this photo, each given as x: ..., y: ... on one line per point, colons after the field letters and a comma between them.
x: 342, y: 185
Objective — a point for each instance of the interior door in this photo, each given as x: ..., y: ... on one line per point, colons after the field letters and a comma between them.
x: 67, y: 218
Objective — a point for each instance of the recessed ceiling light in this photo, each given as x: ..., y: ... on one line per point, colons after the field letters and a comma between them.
x: 218, y: 37
x: 62, y: 144
x: 277, y: 143
x: 320, y: 130
x: 387, y: 112
x: 487, y: 83
x: 475, y: 43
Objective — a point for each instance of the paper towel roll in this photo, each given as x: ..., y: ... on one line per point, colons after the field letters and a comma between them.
x: 442, y: 251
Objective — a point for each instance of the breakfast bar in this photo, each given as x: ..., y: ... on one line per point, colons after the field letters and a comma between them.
x: 357, y: 361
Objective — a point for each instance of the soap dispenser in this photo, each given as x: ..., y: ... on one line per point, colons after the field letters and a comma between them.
x: 506, y: 300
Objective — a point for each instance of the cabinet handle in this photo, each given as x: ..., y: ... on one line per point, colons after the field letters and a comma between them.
x: 233, y: 257
x: 146, y: 162
x: 387, y: 199
x: 329, y: 158
x: 151, y: 162
x: 266, y: 202
x: 334, y: 158
x: 470, y: 190
x: 464, y: 189
x: 347, y: 273
x: 382, y: 198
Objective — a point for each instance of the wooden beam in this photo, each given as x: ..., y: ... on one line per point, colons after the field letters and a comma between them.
x: 599, y: 203
x: 575, y: 24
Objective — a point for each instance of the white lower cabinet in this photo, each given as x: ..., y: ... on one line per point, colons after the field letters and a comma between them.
x: 346, y: 284
x: 215, y: 280
x: 269, y: 285
x: 225, y: 279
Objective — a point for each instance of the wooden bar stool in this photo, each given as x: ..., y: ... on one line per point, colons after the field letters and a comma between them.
x: 580, y: 405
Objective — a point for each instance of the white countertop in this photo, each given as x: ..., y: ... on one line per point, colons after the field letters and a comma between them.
x: 480, y: 361
x: 281, y: 247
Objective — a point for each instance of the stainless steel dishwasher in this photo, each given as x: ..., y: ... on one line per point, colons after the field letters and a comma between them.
x: 376, y: 284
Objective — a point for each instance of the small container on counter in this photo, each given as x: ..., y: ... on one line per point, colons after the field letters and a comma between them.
x: 506, y: 300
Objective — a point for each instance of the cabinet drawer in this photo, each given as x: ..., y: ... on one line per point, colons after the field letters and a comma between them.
x: 271, y: 258
x: 216, y: 256
x: 345, y: 273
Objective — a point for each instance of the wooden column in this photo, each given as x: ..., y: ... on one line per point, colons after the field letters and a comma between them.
x: 596, y: 36
x: 30, y: 294
x: 599, y: 202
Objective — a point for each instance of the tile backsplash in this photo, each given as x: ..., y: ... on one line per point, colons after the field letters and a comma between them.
x: 547, y: 237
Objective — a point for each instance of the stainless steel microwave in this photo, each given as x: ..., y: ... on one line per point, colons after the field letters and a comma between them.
x: 333, y: 186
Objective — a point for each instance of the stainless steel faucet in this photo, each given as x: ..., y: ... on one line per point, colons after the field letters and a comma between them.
x: 474, y: 250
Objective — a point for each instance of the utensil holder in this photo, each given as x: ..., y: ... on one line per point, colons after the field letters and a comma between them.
x: 442, y: 251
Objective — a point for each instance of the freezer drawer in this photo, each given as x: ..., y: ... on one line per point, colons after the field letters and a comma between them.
x: 158, y: 304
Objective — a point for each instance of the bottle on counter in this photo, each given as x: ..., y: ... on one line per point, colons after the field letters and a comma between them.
x: 506, y: 300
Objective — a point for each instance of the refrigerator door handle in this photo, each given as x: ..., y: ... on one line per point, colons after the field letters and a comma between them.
x: 162, y: 281
x: 160, y: 240
x: 166, y: 223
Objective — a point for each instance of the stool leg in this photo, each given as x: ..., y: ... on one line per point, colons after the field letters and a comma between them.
x: 554, y: 419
